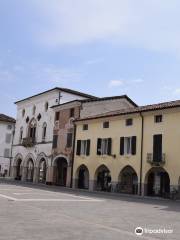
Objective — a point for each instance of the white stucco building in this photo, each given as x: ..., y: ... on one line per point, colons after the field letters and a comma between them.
x: 7, y: 125
x: 32, y: 146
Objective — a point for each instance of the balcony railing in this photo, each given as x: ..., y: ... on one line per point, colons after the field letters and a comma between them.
x: 28, y: 142
x: 156, y: 162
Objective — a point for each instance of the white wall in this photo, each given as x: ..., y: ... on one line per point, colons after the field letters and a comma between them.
x: 39, y: 101
x: 5, y: 161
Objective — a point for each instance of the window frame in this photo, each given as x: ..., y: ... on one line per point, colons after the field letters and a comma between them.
x: 129, y: 122
x: 106, y: 124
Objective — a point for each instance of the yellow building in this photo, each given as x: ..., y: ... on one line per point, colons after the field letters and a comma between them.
x: 135, y: 151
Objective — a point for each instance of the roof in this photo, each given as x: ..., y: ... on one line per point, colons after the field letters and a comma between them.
x: 100, y: 99
x: 5, y: 118
x: 67, y: 90
x: 141, y: 109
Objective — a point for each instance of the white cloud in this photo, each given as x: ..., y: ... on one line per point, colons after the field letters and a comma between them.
x: 138, y: 80
x: 176, y: 91
x: 149, y: 24
x: 115, y: 83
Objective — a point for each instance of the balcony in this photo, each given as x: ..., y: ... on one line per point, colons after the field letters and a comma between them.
x: 156, y: 162
x: 28, y: 142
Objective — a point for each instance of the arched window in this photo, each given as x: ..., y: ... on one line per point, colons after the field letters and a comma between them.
x: 21, y: 135
x: 32, y: 129
x: 46, y: 106
x: 23, y: 112
x: 44, y: 131
x: 34, y: 110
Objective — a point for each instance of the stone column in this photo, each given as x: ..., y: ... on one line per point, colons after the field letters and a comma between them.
x: 24, y: 174
x: 49, y: 175
x: 92, y: 184
x: 36, y: 175
x: 68, y: 178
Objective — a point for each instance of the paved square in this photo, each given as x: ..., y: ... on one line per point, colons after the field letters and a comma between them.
x: 50, y: 213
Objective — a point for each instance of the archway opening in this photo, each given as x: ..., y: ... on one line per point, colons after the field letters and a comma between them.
x: 18, y: 170
x: 158, y: 183
x: 42, y: 171
x: 30, y: 170
x: 103, y: 179
x: 60, y: 171
x: 83, y: 177
x: 128, y: 181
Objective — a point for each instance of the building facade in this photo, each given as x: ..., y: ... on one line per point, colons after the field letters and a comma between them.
x: 32, y: 147
x: 134, y: 151
x: 7, y: 126
x: 64, y: 130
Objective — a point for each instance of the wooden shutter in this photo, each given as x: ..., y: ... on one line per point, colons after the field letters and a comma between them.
x: 88, y: 147
x: 99, y: 141
x: 109, y: 145
x: 78, y: 149
x: 157, y: 148
x: 122, y: 146
x: 69, y: 140
x: 133, y: 145
x: 55, y: 140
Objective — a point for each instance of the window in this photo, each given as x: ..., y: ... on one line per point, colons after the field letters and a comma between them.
x: 32, y: 129
x: 7, y: 153
x: 105, y: 124
x: 46, y: 106
x: 9, y: 127
x: 34, y: 110
x: 57, y: 116
x: 157, y: 148
x: 55, y: 141
x: 8, y: 138
x: 158, y: 118
x: 129, y: 122
x: 23, y: 112
x: 83, y: 147
x: 69, y: 140
x: 21, y: 135
x: 85, y: 127
x: 104, y: 146
x: 128, y: 145
x: 71, y: 112
x: 44, y: 131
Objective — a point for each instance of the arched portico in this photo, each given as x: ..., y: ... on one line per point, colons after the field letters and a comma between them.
x: 82, y: 176
x: 41, y: 168
x: 157, y: 182
x: 102, y: 179
x: 128, y: 181
x: 60, y: 171
x: 17, y: 167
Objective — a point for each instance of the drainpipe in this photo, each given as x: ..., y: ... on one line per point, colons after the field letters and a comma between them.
x: 11, y: 151
x: 73, y: 152
x: 142, y: 142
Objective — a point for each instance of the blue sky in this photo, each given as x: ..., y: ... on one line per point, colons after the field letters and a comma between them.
x: 100, y: 47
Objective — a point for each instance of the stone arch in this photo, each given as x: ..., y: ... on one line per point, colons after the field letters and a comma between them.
x: 60, y: 170
x: 157, y: 182
x: 82, y: 177
x: 128, y: 180
x: 41, y: 167
x: 102, y: 178
x: 29, y: 156
x: 17, y: 167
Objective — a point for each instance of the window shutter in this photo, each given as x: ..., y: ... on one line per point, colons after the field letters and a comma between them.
x: 55, y: 140
x: 157, y: 148
x: 78, y: 149
x: 133, y: 144
x: 88, y: 147
x: 109, y: 145
x: 122, y: 146
x: 69, y: 140
x: 99, y: 141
